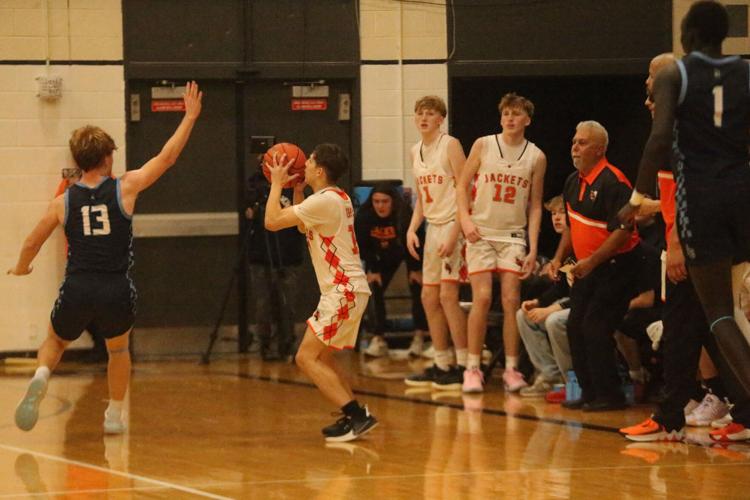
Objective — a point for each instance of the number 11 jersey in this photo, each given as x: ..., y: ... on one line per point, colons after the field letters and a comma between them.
x: 435, y: 180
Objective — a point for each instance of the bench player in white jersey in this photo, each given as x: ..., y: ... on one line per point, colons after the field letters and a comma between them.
x: 508, y: 181
x: 327, y: 218
x: 437, y: 160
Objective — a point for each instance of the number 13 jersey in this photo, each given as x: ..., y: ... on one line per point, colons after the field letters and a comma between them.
x: 501, y: 190
x: 99, y: 232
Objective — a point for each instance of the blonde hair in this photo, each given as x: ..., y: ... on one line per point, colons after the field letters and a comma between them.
x: 513, y: 100
x: 89, y: 145
x: 431, y: 102
x: 555, y: 203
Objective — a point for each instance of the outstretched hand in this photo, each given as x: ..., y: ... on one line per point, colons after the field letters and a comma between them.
x: 193, y: 100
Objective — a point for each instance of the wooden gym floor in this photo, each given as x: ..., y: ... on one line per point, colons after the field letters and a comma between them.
x: 241, y: 428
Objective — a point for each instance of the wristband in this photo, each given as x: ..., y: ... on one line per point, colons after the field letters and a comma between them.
x: 636, y: 198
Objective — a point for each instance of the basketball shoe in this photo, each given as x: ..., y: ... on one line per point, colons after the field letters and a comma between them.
x: 710, y: 409
x: 513, y: 380
x: 349, y: 428
x: 377, y: 347
x: 651, y: 430
x: 113, y: 424
x: 473, y: 381
x: 424, y: 379
x: 27, y: 411
x: 732, y: 432
x: 539, y: 388
x: 450, y: 380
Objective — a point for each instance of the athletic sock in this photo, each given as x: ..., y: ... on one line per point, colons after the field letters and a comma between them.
x: 473, y: 361
x: 42, y: 373
x: 444, y: 359
x: 461, y: 356
x: 511, y: 362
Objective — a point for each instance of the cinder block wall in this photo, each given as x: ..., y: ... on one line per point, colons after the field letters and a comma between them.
x: 83, y: 41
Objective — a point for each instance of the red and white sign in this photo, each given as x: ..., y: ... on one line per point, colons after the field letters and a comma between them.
x: 167, y: 105
x: 309, y: 104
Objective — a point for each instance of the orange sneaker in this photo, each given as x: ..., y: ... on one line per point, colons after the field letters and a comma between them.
x: 732, y: 432
x: 651, y: 430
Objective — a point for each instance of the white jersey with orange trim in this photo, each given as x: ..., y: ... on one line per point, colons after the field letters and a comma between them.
x: 328, y: 216
x: 502, y: 186
x: 435, y: 180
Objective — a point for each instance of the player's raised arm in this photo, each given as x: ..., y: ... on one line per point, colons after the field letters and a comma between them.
x: 135, y: 181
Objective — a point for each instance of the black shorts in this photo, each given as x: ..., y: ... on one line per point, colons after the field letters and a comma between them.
x: 713, y: 217
x: 103, y: 304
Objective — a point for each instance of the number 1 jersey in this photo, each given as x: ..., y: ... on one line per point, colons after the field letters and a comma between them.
x: 99, y: 232
x: 713, y: 115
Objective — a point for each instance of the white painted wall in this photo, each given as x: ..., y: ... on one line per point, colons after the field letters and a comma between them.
x: 392, y: 30
x: 34, y: 136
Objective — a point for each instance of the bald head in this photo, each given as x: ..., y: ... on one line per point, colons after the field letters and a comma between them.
x: 657, y: 63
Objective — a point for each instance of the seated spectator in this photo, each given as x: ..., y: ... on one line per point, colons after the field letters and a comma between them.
x: 542, y: 323
x: 631, y: 337
x: 380, y: 227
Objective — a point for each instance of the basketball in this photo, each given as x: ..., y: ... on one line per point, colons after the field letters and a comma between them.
x: 292, y: 152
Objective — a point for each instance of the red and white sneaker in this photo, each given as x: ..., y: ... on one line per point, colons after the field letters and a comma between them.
x: 732, y: 432
x: 651, y: 430
x: 513, y: 380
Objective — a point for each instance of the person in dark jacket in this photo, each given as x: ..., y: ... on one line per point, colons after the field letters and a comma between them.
x: 380, y: 227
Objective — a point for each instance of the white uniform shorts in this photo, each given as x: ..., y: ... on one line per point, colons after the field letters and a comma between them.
x: 336, y: 320
x: 494, y: 256
x: 436, y: 269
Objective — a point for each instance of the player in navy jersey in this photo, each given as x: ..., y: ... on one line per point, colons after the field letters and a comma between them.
x: 97, y: 294
x: 702, y: 110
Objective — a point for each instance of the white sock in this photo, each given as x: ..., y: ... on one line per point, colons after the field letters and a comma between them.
x: 444, y: 359
x: 42, y: 373
x: 114, y: 409
x: 461, y: 356
x: 473, y: 361
x: 637, y: 376
x: 511, y: 362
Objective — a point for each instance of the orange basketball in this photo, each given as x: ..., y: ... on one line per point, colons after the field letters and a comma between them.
x: 292, y: 152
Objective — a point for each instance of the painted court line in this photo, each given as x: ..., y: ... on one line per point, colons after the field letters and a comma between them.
x: 83, y: 492
x: 127, y: 475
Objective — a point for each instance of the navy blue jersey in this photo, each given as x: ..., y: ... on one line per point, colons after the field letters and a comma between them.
x: 712, y: 130
x: 99, y: 232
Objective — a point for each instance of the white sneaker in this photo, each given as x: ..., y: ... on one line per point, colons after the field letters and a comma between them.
x: 538, y: 389
x: 112, y: 424
x: 722, y: 422
x: 710, y: 409
x: 377, y: 348
x: 417, y: 346
x: 429, y: 353
x: 691, y: 406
